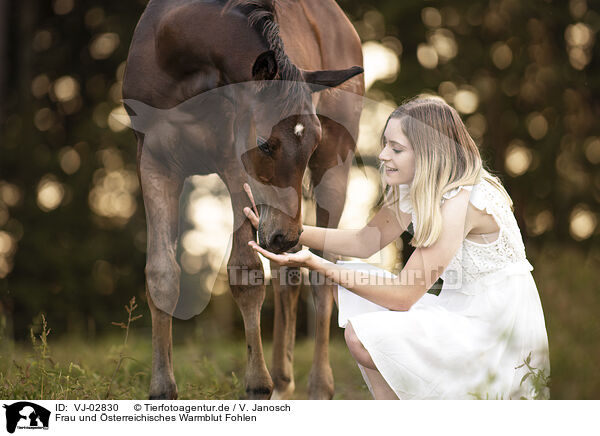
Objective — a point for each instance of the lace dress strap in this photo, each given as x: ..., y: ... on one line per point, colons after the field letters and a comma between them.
x: 485, y: 197
x: 405, y: 204
x: 489, y: 199
x: 455, y: 191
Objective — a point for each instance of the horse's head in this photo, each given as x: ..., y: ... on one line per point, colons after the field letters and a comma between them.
x: 282, y: 132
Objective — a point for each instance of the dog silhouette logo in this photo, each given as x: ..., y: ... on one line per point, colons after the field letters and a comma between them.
x: 26, y: 415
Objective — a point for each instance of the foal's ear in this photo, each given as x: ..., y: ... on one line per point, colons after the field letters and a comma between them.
x: 265, y: 66
x: 329, y: 78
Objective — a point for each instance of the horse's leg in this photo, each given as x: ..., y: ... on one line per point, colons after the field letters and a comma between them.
x: 161, y: 189
x: 246, y: 280
x: 286, y: 287
x: 329, y: 166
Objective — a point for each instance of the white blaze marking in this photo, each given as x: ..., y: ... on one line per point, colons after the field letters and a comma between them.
x: 298, y: 129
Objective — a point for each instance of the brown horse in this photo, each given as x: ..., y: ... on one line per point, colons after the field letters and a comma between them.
x: 255, y: 119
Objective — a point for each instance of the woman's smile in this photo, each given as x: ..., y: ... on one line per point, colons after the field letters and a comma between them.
x: 397, y: 155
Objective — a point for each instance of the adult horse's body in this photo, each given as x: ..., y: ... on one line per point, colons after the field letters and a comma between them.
x: 180, y: 50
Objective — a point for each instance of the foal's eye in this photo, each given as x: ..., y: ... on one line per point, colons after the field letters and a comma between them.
x: 263, y: 145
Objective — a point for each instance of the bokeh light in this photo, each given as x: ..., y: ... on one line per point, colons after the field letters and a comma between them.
x: 442, y: 40
x: 518, y: 158
x: 592, y: 149
x: 50, y: 193
x: 102, y: 46
x: 372, y: 121
x: 44, y: 119
x: 380, y: 62
x: 447, y: 91
x: 42, y: 40
x: 541, y: 223
x: 40, y: 85
x: 205, y: 244
x: 8, y: 247
x: 501, y: 55
x: 63, y: 7
x: 94, y: 17
x: 65, y: 88
x: 583, y: 222
x: 427, y: 56
x: 118, y: 119
x: 578, y: 8
x: 7, y: 244
x: 537, y: 126
x: 431, y: 17
x: 69, y: 160
x: 466, y: 100
x: 580, y: 41
x: 10, y: 194
x: 476, y: 125
x: 113, y: 193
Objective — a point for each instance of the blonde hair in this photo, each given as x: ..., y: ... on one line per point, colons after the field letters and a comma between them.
x: 446, y: 157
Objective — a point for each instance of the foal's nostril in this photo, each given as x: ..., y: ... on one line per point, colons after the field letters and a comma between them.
x: 277, y: 241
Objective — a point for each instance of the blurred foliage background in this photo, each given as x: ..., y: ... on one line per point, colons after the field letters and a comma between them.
x: 524, y: 75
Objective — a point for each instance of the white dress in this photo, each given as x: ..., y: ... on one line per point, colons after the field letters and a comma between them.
x: 480, y: 337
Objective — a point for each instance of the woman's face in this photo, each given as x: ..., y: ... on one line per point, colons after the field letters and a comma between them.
x: 397, y: 155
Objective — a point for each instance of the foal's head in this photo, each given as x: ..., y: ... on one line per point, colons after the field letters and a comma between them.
x: 284, y: 133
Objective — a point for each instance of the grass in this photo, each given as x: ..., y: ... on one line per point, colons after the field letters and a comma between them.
x: 210, y: 362
x: 118, y: 366
x: 567, y: 280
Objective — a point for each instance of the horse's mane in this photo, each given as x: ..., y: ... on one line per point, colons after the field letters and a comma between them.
x: 262, y: 17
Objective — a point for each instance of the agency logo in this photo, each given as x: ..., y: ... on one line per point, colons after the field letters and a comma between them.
x: 26, y: 415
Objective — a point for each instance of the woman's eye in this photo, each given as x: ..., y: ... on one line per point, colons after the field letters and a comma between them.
x: 263, y: 145
x: 396, y: 151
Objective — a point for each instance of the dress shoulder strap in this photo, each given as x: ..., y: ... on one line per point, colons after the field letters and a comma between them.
x: 488, y: 198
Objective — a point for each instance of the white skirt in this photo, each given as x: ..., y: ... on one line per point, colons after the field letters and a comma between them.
x: 461, y: 345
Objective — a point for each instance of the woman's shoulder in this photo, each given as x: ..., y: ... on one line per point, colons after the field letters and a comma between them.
x: 482, y: 195
x: 454, y: 192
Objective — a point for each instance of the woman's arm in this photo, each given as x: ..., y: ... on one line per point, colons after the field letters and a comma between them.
x: 422, y: 269
x: 382, y: 229
x: 420, y: 272
x: 379, y: 232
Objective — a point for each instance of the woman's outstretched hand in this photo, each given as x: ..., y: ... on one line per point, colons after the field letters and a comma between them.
x: 252, y: 214
x: 299, y: 259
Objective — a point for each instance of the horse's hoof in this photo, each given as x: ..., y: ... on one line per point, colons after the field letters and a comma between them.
x: 163, y: 394
x: 258, y: 393
x: 320, y: 387
x: 285, y: 392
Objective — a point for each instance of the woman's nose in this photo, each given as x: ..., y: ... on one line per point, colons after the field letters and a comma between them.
x: 383, y: 155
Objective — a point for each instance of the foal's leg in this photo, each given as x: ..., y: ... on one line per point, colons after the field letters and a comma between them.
x: 161, y: 189
x: 246, y: 280
x: 329, y: 165
x: 286, y: 287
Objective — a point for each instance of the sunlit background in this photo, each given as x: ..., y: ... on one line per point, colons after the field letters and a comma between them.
x: 523, y: 75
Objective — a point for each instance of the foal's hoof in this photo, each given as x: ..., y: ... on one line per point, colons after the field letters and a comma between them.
x: 259, y: 391
x: 164, y: 396
x: 166, y: 393
x: 285, y: 392
x: 320, y: 385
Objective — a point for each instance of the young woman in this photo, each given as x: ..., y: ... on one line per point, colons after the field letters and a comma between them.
x: 484, y: 336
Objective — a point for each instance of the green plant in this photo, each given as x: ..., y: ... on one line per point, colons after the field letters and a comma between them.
x: 43, y: 352
x: 130, y: 318
x: 539, y: 380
